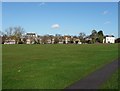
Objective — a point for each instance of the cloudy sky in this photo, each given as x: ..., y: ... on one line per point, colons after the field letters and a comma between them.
x: 62, y: 18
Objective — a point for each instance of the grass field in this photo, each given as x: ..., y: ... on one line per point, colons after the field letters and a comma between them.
x: 112, y: 82
x: 52, y: 66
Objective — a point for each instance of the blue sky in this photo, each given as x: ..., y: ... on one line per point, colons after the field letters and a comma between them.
x: 61, y: 18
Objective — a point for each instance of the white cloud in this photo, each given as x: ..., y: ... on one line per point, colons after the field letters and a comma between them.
x: 55, y: 26
x: 105, y: 12
x: 107, y: 22
x: 42, y: 3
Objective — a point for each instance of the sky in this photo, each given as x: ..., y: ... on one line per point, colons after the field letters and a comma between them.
x: 60, y: 0
x: 66, y: 18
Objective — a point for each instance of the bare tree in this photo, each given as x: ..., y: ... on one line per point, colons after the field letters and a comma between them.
x: 18, y: 32
x: 9, y: 31
x: 14, y: 33
x: 82, y: 37
x: 1, y: 33
x: 44, y: 39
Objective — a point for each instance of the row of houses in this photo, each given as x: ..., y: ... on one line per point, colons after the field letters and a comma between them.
x: 49, y: 39
x: 33, y: 38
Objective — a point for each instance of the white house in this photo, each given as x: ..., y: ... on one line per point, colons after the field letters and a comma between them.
x: 10, y: 41
x: 109, y: 39
x: 31, y: 34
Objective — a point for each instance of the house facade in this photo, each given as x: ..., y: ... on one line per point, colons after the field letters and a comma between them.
x: 10, y: 41
x: 67, y: 39
x: 109, y: 39
x: 30, y: 37
x: 117, y: 40
x: 71, y: 40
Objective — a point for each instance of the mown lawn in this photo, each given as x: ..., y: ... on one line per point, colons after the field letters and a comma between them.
x: 52, y: 66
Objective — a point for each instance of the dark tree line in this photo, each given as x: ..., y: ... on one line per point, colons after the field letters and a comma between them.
x: 96, y: 37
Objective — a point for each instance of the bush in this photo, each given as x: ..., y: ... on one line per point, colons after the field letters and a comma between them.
x: 20, y: 42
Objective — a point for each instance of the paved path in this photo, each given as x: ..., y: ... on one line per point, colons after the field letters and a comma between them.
x: 97, y: 78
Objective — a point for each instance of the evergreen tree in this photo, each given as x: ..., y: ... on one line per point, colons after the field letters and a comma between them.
x: 100, y: 36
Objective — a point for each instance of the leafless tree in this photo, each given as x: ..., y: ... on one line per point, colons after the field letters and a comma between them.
x: 44, y: 39
x: 82, y: 36
x: 18, y: 32
x: 9, y: 31
x: 14, y: 33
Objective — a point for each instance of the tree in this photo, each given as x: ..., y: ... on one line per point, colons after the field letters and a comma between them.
x: 18, y: 32
x: 44, y: 39
x: 9, y: 31
x: 4, y: 37
x: 72, y: 40
x: 94, y: 36
x: 100, y: 36
x: 7, y: 34
x: 82, y: 36
x: 56, y: 40
x: 14, y: 33
x: 51, y: 38
x: 2, y: 33
x: 24, y: 40
x: 35, y: 40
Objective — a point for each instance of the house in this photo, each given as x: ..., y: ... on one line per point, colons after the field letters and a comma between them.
x: 117, y: 40
x: 88, y: 39
x: 10, y: 41
x: 61, y: 40
x: 28, y: 41
x: 71, y: 40
x: 67, y: 39
x: 49, y: 41
x: 109, y: 39
x: 76, y: 40
x: 30, y: 37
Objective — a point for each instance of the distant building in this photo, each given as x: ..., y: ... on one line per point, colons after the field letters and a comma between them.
x: 30, y: 37
x: 76, y: 41
x: 109, y: 39
x: 10, y: 41
x: 88, y: 39
x: 117, y: 40
x: 71, y: 40
x: 28, y: 41
x: 67, y: 39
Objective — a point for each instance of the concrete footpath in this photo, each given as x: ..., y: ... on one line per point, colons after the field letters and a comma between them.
x: 97, y: 78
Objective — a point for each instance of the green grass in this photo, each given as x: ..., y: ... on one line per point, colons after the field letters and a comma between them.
x: 112, y: 82
x: 52, y: 66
